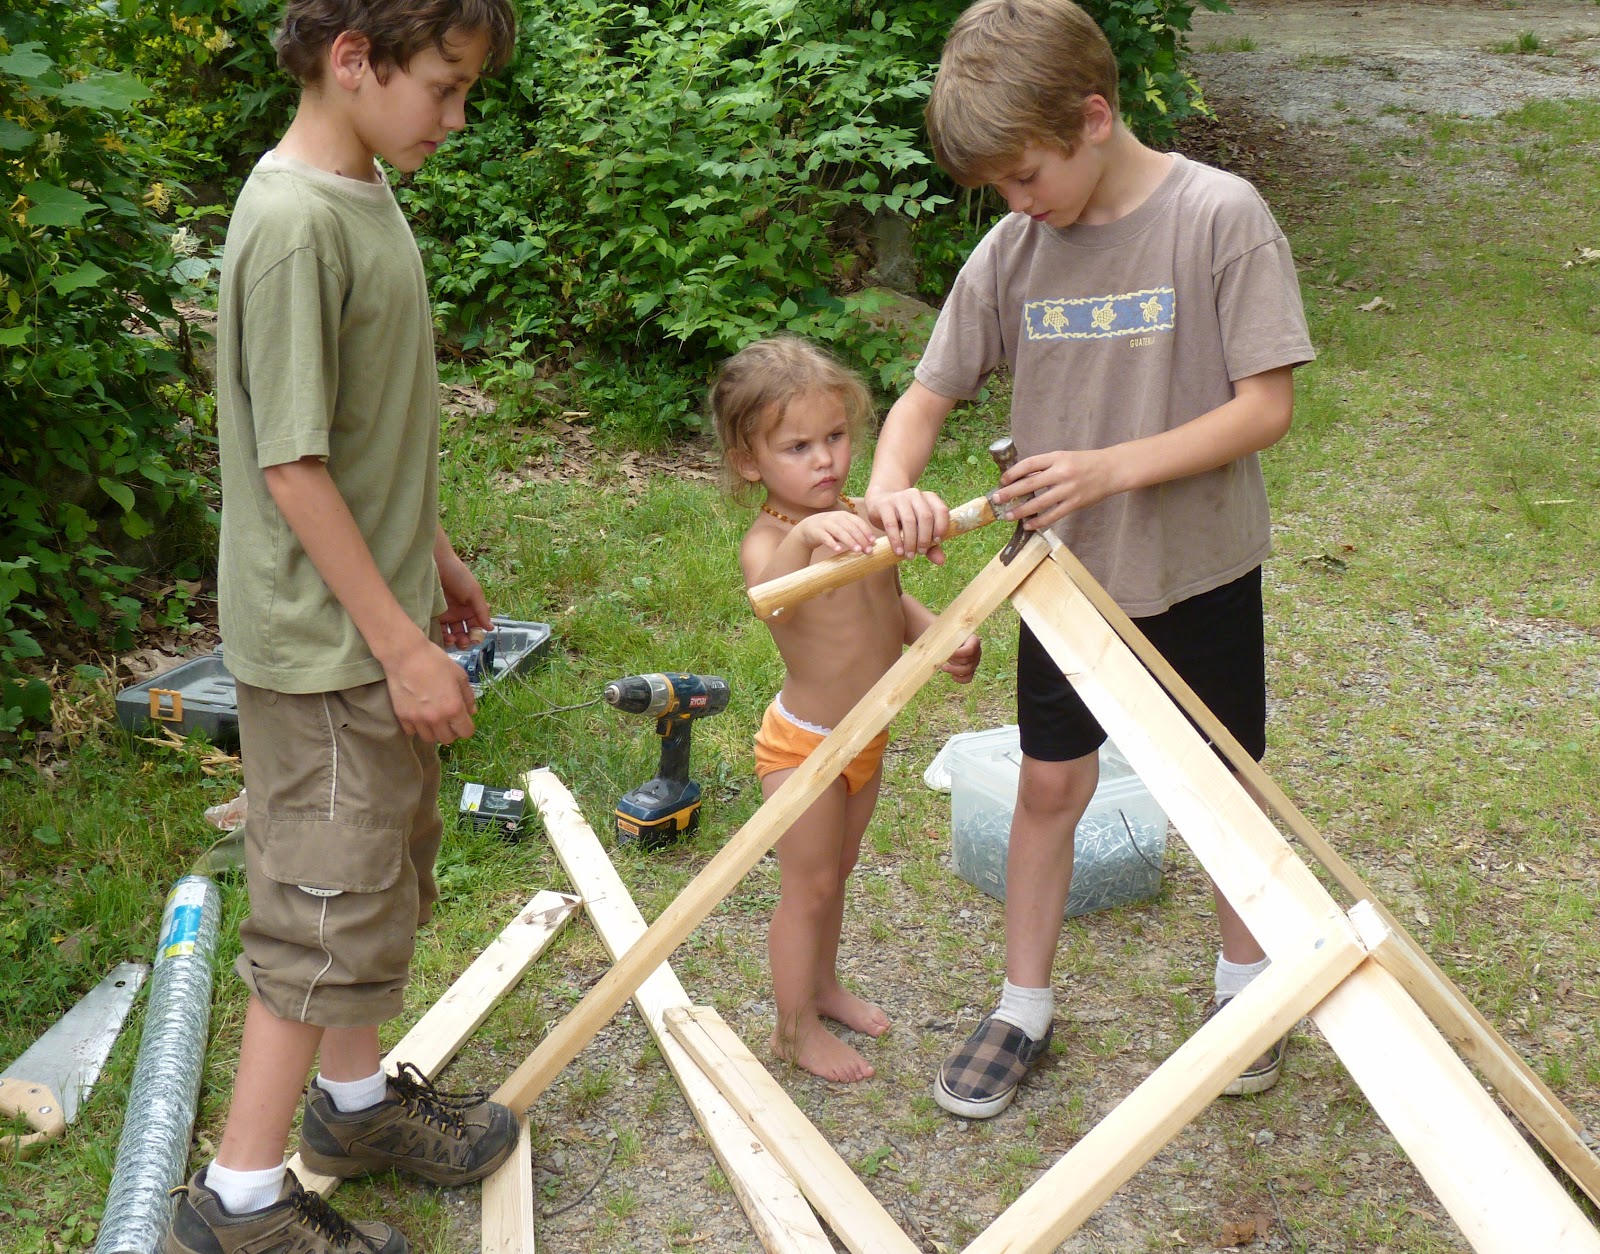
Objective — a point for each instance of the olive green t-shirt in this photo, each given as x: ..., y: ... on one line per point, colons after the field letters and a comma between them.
x: 1127, y: 329
x: 324, y: 349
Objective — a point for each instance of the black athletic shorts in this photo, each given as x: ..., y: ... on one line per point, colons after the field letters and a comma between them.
x: 1215, y: 641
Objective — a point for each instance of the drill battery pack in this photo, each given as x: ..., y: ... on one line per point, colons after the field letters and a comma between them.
x: 657, y: 814
x: 493, y: 809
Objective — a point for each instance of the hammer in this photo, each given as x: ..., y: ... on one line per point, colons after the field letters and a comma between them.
x: 772, y: 598
x: 1004, y: 452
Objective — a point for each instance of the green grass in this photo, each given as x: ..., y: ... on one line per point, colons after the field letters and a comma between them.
x: 1322, y: 60
x: 1434, y: 651
x: 1236, y: 43
x: 1525, y: 42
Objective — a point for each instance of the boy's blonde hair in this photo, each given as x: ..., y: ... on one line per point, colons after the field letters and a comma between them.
x: 758, y: 384
x: 1014, y: 73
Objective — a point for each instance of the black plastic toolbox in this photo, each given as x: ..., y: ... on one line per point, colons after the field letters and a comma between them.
x: 199, y: 695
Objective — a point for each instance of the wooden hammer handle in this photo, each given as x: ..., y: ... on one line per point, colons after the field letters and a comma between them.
x: 774, y: 597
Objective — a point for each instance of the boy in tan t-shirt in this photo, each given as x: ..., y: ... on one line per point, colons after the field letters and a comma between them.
x: 1149, y: 311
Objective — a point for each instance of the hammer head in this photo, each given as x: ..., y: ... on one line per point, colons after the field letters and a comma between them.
x: 1004, y: 452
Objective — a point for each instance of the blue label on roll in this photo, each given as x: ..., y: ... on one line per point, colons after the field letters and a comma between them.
x: 180, y: 926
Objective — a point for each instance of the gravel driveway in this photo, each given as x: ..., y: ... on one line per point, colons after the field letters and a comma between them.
x: 1317, y: 62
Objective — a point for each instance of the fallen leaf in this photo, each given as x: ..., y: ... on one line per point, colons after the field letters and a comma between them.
x: 144, y: 663
x: 1374, y: 305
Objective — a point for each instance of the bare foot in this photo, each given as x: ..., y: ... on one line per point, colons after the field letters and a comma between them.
x: 817, y: 1050
x: 843, y: 1006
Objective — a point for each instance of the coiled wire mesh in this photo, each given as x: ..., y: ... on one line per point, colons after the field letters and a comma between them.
x: 154, y: 1148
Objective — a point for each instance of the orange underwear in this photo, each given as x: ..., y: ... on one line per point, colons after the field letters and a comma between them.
x: 782, y: 744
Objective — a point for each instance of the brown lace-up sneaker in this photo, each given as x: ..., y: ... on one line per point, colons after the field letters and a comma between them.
x: 298, y: 1222
x: 445, y: 1138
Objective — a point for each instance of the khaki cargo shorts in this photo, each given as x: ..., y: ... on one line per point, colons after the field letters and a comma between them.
x: 340, y: 843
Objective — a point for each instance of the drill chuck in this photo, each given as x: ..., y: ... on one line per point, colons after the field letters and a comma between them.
x: 669, y: 695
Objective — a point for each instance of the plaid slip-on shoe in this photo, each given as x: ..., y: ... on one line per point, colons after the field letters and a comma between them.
x: 980, y: 1078
x: 1260, y: 1075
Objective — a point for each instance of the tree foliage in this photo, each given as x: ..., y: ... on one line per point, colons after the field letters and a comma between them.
x: 650, y: 187
x: 93, y: 449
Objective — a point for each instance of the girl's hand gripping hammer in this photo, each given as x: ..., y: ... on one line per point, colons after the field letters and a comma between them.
x: 776, y: 596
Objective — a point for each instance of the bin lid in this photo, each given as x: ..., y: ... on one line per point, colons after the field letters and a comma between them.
x: 982, y: 743
x: 1000, y: 749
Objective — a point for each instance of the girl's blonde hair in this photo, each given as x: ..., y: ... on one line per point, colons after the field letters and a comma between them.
x: 758, y: 384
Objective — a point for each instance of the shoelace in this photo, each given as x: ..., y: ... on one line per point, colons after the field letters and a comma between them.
x: 317, y: 1211
x: 423, y: 1099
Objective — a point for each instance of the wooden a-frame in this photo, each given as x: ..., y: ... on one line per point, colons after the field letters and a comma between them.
x: 1360, y: 977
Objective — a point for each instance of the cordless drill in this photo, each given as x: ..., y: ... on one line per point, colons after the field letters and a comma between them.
x: 668, y: 805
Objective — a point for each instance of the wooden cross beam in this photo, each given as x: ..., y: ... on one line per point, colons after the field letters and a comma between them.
x: 782, y: 1221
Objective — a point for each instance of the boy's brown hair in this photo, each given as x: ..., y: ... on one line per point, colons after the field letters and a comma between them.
x: 1014, y: 73
x: 759, y: 382
x: 396, y: 30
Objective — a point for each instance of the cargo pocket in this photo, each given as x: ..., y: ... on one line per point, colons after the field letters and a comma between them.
x: 327, y: 857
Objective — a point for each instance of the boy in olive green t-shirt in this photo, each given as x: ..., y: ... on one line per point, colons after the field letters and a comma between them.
x: 337, y: 588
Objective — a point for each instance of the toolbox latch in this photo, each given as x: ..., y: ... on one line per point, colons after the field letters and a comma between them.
x: 172, y: 710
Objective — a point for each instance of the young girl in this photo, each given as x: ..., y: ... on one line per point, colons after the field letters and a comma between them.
x: 787, y: 416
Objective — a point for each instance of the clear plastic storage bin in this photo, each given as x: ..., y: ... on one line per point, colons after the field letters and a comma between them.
x: 1121, y: 841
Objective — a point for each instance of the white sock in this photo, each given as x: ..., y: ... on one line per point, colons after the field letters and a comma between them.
x: 353, y: 1095
x: 1232, y: 977
x: 1030, y: 1009
x: 243, y: 1191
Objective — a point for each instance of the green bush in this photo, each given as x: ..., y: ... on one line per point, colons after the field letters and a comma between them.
x: 651, y: 187
x: 217, y: 98
x: 1147, y: 36
x: 94, y: 448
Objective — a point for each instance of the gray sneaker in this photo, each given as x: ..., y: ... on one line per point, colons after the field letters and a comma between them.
x: 445, y: 1138
x: 1260, y: 1075
x: 297, y: 1223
